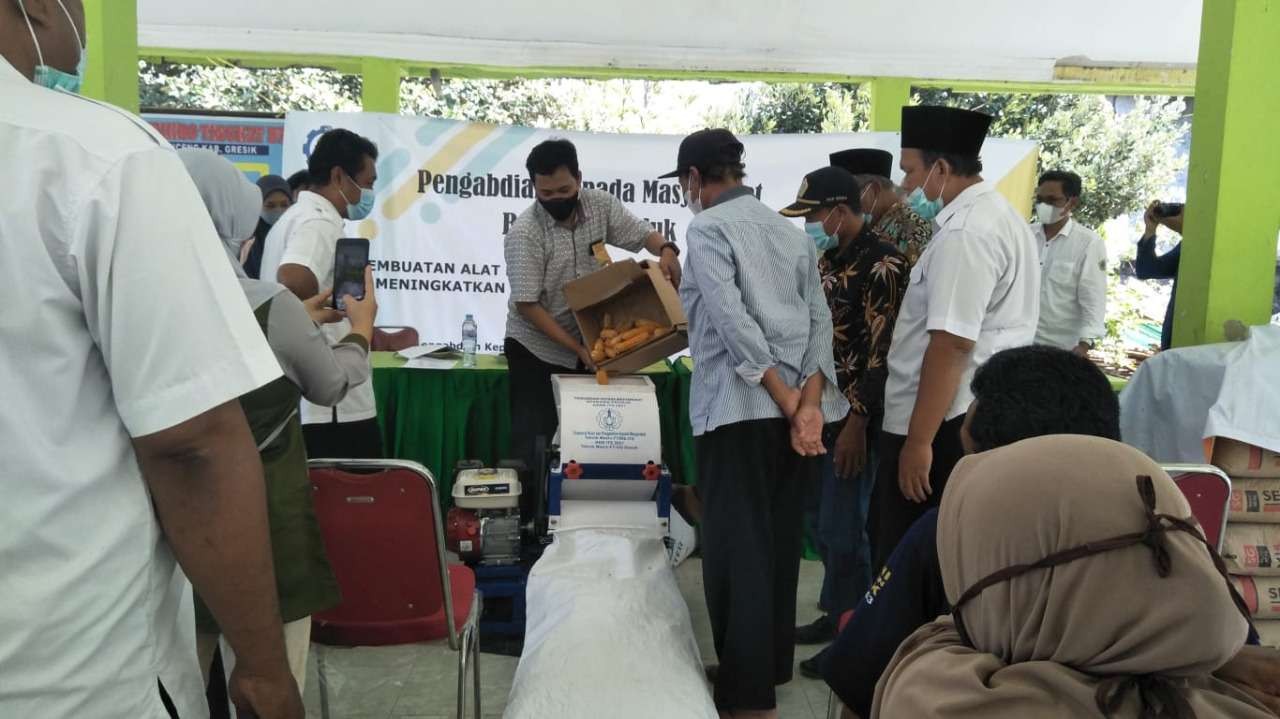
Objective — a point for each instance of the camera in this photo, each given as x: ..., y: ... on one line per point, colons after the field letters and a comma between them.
x: 1168, y: 209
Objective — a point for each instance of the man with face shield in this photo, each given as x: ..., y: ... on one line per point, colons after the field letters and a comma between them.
x: 123, y: 349
x: 765, y: 385
x: 974, y: 292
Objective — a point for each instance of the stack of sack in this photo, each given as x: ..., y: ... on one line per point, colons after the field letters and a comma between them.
x: 1252, y: 544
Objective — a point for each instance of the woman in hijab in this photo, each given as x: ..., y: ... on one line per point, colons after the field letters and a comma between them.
x: 277, y: 197
x: 1080, y: 587
x: 312, y: 369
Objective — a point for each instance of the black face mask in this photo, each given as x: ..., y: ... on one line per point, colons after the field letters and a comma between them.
x: 560, y: 209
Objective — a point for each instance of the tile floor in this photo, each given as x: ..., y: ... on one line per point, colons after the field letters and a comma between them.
x: 420, y: 681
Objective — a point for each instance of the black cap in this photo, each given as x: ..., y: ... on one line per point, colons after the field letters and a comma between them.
x: 864, y: 161
x: 949, y: 130
x: 826, y: 187
x: 705, y: 148
x: 273, y: 183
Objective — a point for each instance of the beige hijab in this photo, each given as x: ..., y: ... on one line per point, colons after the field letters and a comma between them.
x: 1045, y: 640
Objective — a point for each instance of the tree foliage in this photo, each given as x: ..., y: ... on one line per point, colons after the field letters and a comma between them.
x: 238, y: 89
x: 532, y: 103
x: 797, y: 108
x: 1125, y: 160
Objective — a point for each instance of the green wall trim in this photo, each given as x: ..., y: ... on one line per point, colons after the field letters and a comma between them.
x: 380, y: 86
x: 888, y: 96
x: 112, y: 42
x: 1227, y: 268
x: 1158, y: 85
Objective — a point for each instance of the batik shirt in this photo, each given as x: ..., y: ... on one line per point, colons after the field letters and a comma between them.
x: 864, y: 283
x: 906, y: 230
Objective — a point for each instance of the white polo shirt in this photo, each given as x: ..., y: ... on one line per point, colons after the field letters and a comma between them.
x: 979, y: 278
x: 308, y: 235
x: 123, y: 318
x: 1073, y: 286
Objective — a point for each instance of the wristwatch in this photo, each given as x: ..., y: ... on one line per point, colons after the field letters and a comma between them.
x: 671, y: 246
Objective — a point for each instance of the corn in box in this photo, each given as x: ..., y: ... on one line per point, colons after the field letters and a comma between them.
x: 630, y: 315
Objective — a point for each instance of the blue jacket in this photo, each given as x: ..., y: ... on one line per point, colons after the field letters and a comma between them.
x: 1149, y: 266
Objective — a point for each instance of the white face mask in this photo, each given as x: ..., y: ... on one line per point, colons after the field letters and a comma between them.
x: 1048, y: 214
x: 693, y: 200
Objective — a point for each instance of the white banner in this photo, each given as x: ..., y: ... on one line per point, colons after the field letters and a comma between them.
x: 447, y: 192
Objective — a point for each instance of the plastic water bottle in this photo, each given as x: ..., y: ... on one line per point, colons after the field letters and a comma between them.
x: 469, y: 333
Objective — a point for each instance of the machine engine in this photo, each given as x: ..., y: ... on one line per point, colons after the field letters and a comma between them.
x: 484, y: 525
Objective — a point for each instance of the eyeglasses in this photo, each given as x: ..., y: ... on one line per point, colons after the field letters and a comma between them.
x: 1158, y: 525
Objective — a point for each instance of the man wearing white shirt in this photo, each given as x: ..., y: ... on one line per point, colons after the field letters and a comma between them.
x: 1073, y: 268
x: 974, y: 291
x: 124, y: 346
x: 299, y: 254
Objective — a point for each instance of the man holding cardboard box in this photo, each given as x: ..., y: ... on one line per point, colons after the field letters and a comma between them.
x: 548, y: 246
x: 764, y: 387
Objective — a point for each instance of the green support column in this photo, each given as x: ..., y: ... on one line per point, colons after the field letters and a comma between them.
x: 381, y: 85
x: 1228, y: 259
x: 888, y: 96
x: 113, y: 52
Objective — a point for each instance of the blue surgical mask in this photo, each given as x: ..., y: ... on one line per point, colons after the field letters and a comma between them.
x: 867, y: 218
x: 819, y: 236
x: 364, y: 207
x: 52, y: 77
x: 818, y: 233
x: 923, y: 206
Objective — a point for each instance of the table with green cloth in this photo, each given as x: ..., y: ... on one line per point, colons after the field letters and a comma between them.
x: 437, y: 417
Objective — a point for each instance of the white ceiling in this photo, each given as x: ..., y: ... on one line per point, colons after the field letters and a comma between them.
x: 928, y: 39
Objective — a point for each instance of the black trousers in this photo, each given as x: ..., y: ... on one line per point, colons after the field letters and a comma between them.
x: 752, y: 487
x: 892, y: 514
x: 532, y: 403
x: 343, y: 440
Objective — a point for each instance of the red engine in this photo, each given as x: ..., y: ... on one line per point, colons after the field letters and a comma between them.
x: 462, y: 534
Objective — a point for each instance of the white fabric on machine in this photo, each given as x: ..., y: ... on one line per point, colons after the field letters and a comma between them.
x: 1164, y: 407
x: 1248, y: 406
x: 608, y: 633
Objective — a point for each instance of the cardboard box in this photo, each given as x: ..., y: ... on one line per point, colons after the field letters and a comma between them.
x: 1238, y: 459
x: 1252, y: 549
x: 628, y: 291
x: 1261, y: 595
x: 1255, y: 500
x: 1268, y: 632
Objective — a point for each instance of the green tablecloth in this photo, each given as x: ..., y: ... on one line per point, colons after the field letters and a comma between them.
x: 438, y: 417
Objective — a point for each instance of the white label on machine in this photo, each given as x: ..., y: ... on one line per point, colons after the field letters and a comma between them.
x: 615, y: 423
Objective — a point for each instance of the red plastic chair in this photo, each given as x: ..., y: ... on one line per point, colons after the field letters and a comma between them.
x: 1208, y: 491
x: 384, y: 537
x: 393, y: 339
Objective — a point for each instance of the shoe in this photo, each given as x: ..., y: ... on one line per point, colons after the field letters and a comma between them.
x: 811, y: 668
x: 822, y: 630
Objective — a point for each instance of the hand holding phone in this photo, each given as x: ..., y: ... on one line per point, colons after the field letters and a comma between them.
x: 350, y: 259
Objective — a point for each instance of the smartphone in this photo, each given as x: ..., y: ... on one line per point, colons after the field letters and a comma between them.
x: 348, y: 270
x: 1169, y: 209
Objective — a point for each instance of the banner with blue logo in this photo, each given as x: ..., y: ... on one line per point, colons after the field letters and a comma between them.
x: 255, y: 145
x: 448, y: 191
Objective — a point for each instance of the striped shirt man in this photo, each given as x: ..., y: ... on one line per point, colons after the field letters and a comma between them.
x: 754, y: 300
